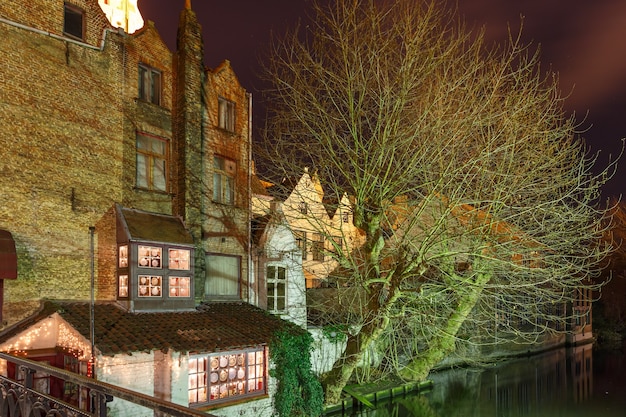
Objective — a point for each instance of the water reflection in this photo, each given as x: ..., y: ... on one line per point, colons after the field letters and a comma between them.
x: 573, y: 382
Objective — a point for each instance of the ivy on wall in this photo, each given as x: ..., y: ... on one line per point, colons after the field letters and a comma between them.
x: 299, y: 391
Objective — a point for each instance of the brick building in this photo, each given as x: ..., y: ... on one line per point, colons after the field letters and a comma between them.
x: 125, y: 178
x: 101, y: 118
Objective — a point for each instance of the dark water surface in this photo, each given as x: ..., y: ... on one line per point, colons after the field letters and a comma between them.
x: 572, y: 382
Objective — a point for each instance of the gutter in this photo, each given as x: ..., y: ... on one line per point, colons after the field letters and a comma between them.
x: 62, y: 38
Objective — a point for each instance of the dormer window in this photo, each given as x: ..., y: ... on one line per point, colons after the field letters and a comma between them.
x: 74, y: 21
x: 155, y: 262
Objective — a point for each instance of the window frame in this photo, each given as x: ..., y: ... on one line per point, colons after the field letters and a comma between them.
x: 275, y: 282
x: 216, y: 373
x: 147, y: 89
x: 224, y: 180
x: 317, y: 247
x: 151, y: 157
x: 73, y: 11
x: 226, y: 113
x: 231, y: 295
x: 300, y: 238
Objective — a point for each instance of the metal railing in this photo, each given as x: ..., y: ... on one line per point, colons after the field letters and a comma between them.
x: 21, y: 399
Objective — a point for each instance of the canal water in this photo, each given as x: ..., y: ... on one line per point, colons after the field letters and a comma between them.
x: 573, y: 382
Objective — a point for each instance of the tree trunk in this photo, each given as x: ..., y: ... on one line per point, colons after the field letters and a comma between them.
x: 336, y: 379
x: 444, y: 343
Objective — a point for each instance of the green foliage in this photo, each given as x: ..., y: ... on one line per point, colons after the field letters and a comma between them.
x: 335, y: 333
x: 299, y: 391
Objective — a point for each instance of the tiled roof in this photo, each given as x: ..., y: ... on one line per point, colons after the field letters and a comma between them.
x: 210, y: 328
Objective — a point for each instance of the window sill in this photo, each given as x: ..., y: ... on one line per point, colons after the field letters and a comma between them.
x: 226, y: 403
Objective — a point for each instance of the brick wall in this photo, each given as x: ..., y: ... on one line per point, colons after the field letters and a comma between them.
x: 71, y: 113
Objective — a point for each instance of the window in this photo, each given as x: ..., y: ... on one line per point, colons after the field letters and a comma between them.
x: 302, y: 207
x: 301, y: 241
x: 222, y: 276
x: 227, y: 376
x: 224, y: 180
x: 123, y: 256
x: 149, y: 257
x: 73, y: 21
x: 150, y: 286
x: 151, y: 163
x: 149, y: 84
x: 276, y: 288
x: 180, y: 287
x: 179, y: 259
x: 317, y: 247
x: 122, y: 286
x: 226, y: 109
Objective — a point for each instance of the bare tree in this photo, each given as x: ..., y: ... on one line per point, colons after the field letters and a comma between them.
x: 474, y: 196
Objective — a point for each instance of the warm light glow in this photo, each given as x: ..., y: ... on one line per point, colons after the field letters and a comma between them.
x: 49, y: 333
x: 122, y: 14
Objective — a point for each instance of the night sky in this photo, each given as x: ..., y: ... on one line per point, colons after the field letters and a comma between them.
x: 583, y: 41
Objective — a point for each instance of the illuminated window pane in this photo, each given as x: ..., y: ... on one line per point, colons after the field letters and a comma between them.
x: 150, y: 286
x: 149, y: 257
x: 123, y: 286
x: 180, y: 286
x: 123, y: 256
x: 226, y: 376
x: 179, y: 259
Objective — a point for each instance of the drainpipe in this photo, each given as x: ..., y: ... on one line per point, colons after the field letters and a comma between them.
x: 92, y: 313
x: 256, y: 296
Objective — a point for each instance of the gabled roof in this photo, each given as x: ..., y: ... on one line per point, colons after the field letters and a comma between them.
x: 211, y: 327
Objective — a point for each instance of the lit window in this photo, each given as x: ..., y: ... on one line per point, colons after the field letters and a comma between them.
x: 224, y: 180
x: 179, y: 286
x: 149, y: 84
x: 151, y: 163
x: 149, y: 257
x: 150, y: 286
x: 226, y: 110
x: 227, y: 376
x: 276, y: 288
x: 179, y: 259
x: 123, y: 256
x: 317, y: 247
x: 73, y: 21
x: 300, y: 237
x: 123, y: 286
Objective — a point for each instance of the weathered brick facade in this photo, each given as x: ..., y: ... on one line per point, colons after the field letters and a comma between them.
x: 71, y: 112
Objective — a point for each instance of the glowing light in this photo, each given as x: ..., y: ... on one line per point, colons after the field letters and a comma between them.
x: 122, y: 14
x: 50, y: 333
